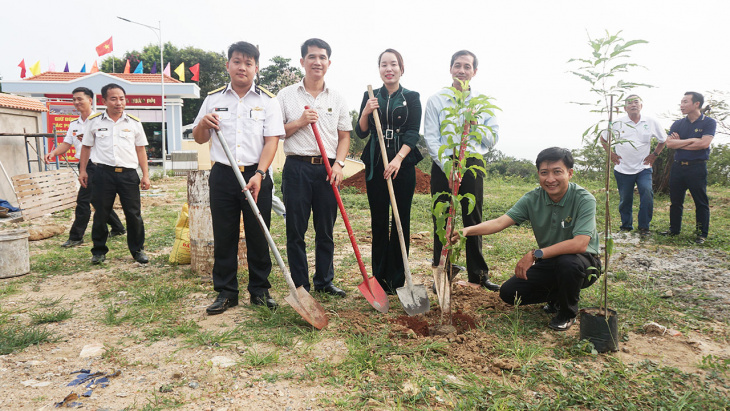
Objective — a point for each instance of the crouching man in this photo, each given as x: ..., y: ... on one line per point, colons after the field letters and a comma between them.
x: 563, y: 219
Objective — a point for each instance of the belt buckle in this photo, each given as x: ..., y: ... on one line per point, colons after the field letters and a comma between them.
x: 389, y: 134
x: 684, y: 163
x: 242, y: 168
x: 118, y: 169
x: 317, y: 160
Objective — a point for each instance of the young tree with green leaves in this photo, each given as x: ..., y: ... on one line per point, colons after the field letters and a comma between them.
x: 604, y: 70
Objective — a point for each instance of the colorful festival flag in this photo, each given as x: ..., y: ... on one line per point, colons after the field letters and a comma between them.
x: 180, y: 71
x: 22, y: 68
x: 140, y: 68
x: 51, y: 66
x: 196, y: 72
x: 36, y: 68
x: 65, y: 70
x: 94, y: 68
x: 126, y: 68
x: 83, y: 69
x: 105, y: 47
x: 167, y: 69
x: 154, y: 68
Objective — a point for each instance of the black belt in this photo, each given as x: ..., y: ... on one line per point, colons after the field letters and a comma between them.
x: 243, y: 169
x: 311, y: 159
x: 689, y: 162
x: 115, y: 169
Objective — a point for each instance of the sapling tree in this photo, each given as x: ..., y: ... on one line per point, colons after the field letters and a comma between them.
x: 605, y: 70
x: 460, y: 126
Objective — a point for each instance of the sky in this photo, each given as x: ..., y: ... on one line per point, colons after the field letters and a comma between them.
x: 523, y: 47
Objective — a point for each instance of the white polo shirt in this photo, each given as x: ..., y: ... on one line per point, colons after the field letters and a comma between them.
x: 333, y: 114
x: 640, y: 134
x: 114, y: 143
x: 75, y: 134
x: 244, y: 122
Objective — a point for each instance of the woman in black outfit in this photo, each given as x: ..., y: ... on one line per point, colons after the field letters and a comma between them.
x: 400, y: 117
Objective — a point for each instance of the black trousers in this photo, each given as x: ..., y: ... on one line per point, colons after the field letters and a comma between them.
x: 306, y: 191
x: 476, y: 266
x: 387, y: 259
x: 227, y: 202
x: 556, y: 280
x: 107, y: 184
x: 692, y: 177
x: 83, y: 210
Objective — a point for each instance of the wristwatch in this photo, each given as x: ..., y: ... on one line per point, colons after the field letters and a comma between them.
x: 262, y: 172
x: 537, y: 255
x: 341, y: 163
x: 656, y: 154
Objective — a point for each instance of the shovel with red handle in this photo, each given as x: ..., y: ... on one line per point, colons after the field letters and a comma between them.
x: 370, y: 288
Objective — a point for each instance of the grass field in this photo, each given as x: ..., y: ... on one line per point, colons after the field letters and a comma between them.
x: 151, y: 321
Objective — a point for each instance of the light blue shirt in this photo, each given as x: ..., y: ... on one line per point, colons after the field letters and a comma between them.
x: 432, y: 127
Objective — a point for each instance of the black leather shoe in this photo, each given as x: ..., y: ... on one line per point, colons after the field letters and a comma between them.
x: 221, y: 304
x: 332, y: 290
x: 560, y: 323
x: 550, y: 308
x: 485, y: 283
x: 97, y: 259
x: 141, y: 257
x: 72, y: 243
x: 700, y: 240
x: 668, y: 233
x: 117, y: 233
x: 264, y: 299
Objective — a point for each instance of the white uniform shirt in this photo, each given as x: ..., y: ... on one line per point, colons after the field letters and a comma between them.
x: 244, y: 122
x: 333, y: 114
x: 640, y: 134
x: 114, y: 143
x: 75, y: 133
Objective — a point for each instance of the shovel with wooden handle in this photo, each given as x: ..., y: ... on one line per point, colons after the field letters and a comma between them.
x: 370, y: 288
x: 414, y: 298
x: 298, y: 298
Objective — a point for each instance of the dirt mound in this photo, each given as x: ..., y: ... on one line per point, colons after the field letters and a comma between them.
x: 357, y: 180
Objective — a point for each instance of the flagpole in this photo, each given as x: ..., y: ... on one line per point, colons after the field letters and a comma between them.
x: 162, y: 85
x: 158, y: 33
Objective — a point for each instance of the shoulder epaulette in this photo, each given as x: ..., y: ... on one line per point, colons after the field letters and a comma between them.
x: 134, y: 118
x: 94, y: 116
x: 217, y: 90
x: 267, y: 92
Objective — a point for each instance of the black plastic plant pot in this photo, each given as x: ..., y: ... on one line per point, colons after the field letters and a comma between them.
x: 595, y: 328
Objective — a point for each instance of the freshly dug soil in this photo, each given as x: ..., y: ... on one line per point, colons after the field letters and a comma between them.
x: 357, y: 180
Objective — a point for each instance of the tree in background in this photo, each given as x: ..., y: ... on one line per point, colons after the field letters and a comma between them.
x: 278, y: 75
x: 212, y: 69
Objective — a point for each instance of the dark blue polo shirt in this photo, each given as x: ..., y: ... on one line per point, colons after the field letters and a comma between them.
x: 703, y: 126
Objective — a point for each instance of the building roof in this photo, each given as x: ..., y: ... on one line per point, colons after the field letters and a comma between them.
x: 22, y: 103
x: 131, y: 77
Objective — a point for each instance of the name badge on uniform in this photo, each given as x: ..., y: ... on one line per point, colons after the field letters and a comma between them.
x: 222, y: 113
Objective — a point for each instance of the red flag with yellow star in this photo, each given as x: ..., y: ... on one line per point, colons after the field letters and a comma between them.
x: 105, y: 47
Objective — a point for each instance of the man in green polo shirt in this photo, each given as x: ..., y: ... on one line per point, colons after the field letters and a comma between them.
x: 563, y: 219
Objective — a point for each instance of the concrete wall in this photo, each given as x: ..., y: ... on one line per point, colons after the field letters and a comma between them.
x: 12, y: 148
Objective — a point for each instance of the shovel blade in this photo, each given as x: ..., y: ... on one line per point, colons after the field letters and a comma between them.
x: 377, y: 298
x: 303, y: 303
x: 414, y: 299
x: 443, y: 289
